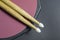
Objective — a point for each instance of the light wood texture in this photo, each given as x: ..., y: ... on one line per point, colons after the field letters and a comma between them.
x: 15, y: 14
x: 20, y: 11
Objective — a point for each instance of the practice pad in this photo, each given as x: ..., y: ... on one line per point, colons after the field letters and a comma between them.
x: 8, y: 25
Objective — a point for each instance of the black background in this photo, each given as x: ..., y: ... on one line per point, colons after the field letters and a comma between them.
x: 49, y: 15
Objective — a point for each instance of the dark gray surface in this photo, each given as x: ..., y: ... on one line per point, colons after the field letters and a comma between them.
x: 50, y: 16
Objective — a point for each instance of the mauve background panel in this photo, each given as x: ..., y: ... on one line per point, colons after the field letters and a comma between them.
x: 8, y: 25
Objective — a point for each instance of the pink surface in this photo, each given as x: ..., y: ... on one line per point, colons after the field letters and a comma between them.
x: 9, y: 26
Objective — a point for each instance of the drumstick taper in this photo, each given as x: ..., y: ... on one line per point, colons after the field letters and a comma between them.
x: 19, y: 17
x: 22, y: 12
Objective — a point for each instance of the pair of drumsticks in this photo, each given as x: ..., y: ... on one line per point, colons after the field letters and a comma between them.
x: 18, y: 13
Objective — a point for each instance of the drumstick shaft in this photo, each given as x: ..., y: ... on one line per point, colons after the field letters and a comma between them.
x: 18, y: 16
x: 20, y: 10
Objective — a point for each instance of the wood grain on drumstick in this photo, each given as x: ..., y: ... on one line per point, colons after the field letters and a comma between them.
x: 18, y: 16
x: 22, y: 12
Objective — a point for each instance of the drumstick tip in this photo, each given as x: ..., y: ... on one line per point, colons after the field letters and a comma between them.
x: 38, y: 30
x: 41, y: 25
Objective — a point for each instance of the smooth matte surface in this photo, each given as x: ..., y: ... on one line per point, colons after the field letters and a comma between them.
x: 50, y: 17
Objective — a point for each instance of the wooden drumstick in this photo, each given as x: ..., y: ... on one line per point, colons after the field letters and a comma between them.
x: 22, y: 12
x: 18, y: 16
